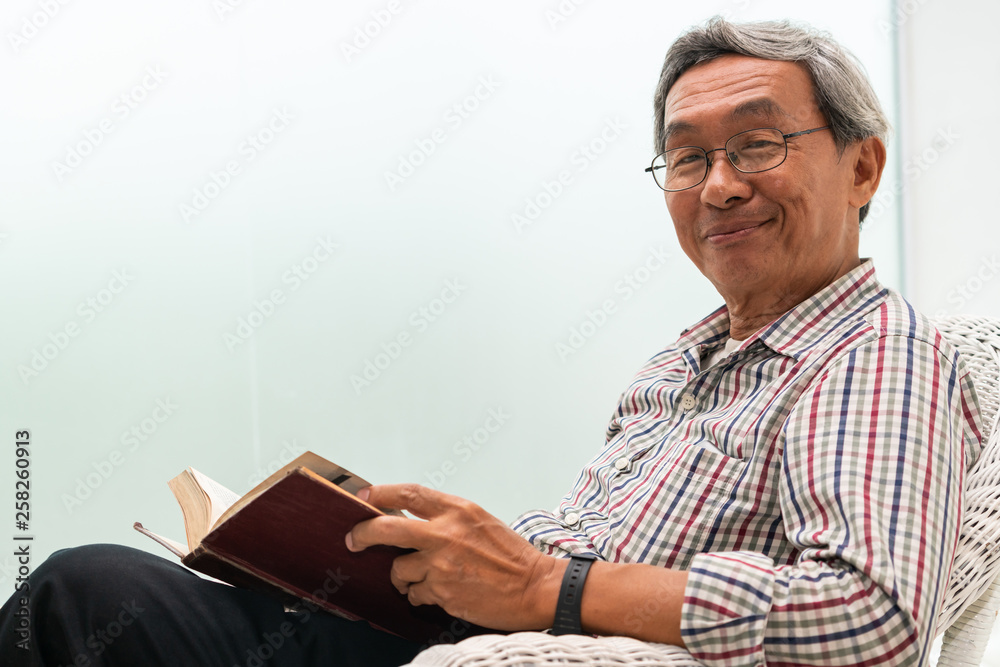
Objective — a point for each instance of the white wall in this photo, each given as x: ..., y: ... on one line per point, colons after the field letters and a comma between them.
x: 186, y: 280
x: 951, y: 68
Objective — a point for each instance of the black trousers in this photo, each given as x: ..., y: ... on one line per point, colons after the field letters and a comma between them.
x: 111, y: 605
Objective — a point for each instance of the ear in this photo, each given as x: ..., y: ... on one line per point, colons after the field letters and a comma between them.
x: 867, y: 171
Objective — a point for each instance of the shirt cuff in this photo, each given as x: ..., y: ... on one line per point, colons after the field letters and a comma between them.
x: 549, y: 535
x: 726, y: 604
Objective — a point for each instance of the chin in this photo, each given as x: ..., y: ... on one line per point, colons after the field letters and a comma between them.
x: 737, y: 276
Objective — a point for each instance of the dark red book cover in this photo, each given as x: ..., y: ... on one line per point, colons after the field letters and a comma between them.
x: 290, y: 540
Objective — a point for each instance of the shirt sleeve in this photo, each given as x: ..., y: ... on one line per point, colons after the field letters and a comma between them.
x: 549, y: 535
x: 546, y: 532
x: 873, y: 463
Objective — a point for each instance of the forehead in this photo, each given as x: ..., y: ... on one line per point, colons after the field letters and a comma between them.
x: 731, y: 88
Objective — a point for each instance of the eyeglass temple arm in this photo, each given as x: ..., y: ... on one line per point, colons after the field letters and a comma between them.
x: 799, y: 134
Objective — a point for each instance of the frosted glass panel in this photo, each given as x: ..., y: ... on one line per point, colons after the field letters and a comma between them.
x: 414, y: 237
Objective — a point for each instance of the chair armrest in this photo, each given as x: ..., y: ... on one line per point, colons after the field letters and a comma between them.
x: 537, y: 649
x: 965, y: 641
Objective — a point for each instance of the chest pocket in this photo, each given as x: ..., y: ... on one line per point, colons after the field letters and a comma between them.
x: 664, y: 513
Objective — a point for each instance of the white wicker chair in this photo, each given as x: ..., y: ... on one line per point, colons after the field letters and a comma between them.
x: 973, y: 598
x: 970, y: 606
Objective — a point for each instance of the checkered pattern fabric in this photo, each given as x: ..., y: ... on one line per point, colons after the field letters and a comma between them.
x: 810, y: 482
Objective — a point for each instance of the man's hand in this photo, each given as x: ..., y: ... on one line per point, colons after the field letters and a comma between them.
x: 466, y: 560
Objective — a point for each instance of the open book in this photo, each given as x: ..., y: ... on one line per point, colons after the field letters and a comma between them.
x: 286, y: 536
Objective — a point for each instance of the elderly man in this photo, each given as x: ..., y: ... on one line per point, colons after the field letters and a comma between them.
x: 782, y: 485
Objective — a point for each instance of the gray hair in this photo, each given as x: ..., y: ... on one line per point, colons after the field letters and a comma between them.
x: 843, y: 92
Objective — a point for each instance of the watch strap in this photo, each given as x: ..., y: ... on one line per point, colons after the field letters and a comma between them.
x: 567, y: 621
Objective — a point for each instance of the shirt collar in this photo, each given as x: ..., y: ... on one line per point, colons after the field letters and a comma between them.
x: 797, y: 331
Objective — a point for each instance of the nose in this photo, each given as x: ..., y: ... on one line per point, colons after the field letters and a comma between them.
x: 724, y: 184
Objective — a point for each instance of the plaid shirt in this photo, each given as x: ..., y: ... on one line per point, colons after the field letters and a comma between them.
x: 810, y: 483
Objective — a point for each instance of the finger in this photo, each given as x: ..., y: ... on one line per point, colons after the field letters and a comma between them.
x: 408, y: 570
x: 419, y: 593
x: 419, y: 500
x: 392, y: 530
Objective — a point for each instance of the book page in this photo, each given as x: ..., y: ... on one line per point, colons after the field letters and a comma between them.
x: 332, y: 472
x: 340, y: 476
x: 221, y: 498
x: 172, y: 545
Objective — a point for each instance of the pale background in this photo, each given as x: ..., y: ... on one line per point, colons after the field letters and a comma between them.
x: 556, y: 81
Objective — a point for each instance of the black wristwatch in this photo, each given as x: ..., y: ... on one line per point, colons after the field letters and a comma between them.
x: 570, y: 593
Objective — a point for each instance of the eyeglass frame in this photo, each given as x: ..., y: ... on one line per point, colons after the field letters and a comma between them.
x: 709, y: 162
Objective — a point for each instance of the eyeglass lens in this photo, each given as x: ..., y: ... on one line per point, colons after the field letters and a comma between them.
x: 750, y: 151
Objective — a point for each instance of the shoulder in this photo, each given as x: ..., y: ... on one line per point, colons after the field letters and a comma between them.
x: 896, y: 323
x: 887, y: 341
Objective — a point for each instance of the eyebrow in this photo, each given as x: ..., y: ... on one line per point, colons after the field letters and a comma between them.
x: 763, y: 108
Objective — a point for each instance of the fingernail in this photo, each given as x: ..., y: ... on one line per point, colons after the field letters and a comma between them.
x: 364, y: 493
x: 349, y: 541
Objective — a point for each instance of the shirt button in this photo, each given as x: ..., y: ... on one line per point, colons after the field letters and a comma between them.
x: 621, y: 463
x: 687, y: 402
x: 572, y: 519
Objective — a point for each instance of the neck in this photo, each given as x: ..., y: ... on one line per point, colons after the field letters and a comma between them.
x: 749, y: 311
x: 741, y: 328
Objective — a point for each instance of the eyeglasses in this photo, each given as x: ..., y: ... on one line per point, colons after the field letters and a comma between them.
x: 749, y: 152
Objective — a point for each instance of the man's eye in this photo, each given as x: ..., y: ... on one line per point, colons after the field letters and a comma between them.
x: 761, y: 144
x: 690, y: 158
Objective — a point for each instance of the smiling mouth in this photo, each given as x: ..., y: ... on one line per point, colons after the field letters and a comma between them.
x: 736, y: 234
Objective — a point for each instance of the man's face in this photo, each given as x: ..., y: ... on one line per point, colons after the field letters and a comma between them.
x: 784, y: 233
